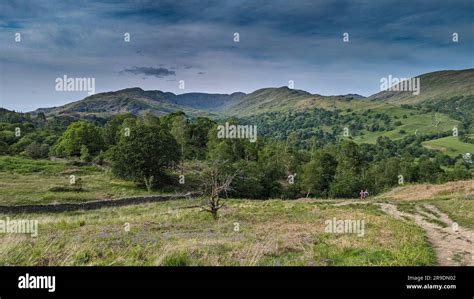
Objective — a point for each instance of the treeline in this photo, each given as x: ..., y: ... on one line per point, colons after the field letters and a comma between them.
x: 153, y: 151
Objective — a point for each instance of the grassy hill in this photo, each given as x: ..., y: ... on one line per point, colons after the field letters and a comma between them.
x: 445, y: 101
x: 450, y: 146
x: 365, y: 124
x: 435, y: 86
x: 138, y: 101
x: 208, y: 102
x: 283, y: 99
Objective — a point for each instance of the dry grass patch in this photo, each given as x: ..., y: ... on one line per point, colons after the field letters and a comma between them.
x: 430, y: 191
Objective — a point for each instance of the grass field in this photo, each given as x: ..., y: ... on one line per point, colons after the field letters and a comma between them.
x: 450, y: 146
x: 271, y: 232
x: 248, y: 232
x: 25, y: 181
x: 458, y: 209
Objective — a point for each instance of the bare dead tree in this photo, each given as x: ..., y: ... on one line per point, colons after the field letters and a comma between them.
x: 214, y: 182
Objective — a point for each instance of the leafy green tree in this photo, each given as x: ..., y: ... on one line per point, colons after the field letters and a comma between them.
x: 78, y: 134
x: 409, y: 170
x: 8, y: 137
x: 272, y: 160
x: 116, y: 127
x: 149, y: 119
x: 33, y: 150
x: 459, y: 172
x: 318, y: 173
x: 224, y: 149
x: 384, y: 174
x: 180, y: 132
x: 145, y: 154
x: 199, y: 132
x: 3, y: 148
x: 429, y: 171
x: 23, y: 143
x: 349, y: 177
x: 249, y: 182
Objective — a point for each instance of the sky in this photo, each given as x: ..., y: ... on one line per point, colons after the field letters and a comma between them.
x: 194, y: 41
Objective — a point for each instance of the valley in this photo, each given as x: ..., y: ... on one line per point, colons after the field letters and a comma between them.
x: 259, y: 197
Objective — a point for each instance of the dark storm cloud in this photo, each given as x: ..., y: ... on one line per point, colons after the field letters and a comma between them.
x: 159, y: 72
x: 280, y: 40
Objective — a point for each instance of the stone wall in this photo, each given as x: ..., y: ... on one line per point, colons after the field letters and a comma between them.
x: 89, y: 205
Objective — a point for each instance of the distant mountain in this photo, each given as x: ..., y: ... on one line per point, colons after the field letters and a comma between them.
x: 354, y: 96
x: 138, y: 101
x: 266, y: 99
x: 286, y: 99
x: 435, y: 86
x: 209, y: 102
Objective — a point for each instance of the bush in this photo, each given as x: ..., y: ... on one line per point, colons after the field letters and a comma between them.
x: 177, y: 259
x: 71, y: 188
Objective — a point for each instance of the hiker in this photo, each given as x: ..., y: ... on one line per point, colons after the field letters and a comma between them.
x: 366, y: 193
x: 362, y: 194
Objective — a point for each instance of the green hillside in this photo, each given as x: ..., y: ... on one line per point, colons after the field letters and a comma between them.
x: 283, y: 99
x: 412, y: 122
x: 364, y: 125
x: 450, y: 146
x: 435, y: 86
x: 138, y: 102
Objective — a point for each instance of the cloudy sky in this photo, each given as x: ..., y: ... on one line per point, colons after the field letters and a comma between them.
x: 193, y: 40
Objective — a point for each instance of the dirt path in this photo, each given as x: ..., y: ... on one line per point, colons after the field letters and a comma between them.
x: 453, y: 244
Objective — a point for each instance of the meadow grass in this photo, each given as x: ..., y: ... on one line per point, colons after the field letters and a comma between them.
x: 26, y: 181
x: 272, y: 232
x: 450, y: 146
x: 21, y: 165
x: 459, y: 209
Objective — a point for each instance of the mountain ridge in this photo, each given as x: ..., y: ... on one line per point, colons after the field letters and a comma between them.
x: 435, y: 86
